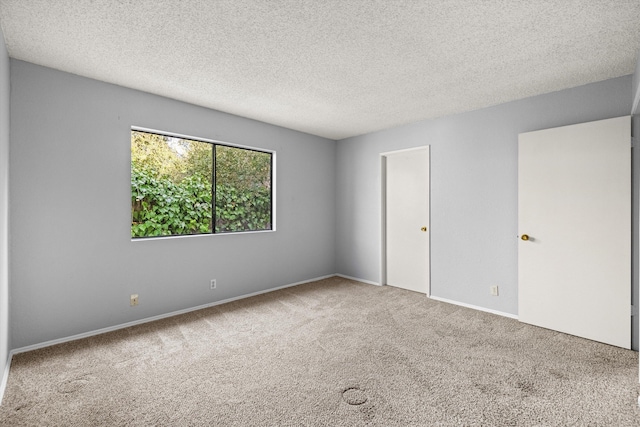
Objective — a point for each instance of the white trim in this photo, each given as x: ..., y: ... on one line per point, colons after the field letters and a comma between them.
x: 198, y: 138
x: 179, y: 236
x: 636, y: 90
x: 404, y: 150
x: 274, y: 186
x: 448, y: 301
x: 383, y: 219
x: 25, y: 349
x: 475, y: 307
x: 368, y: 282
x: 154, y: 318
x: 636, y: 101
x: 383, y: 212
x: 5, y: 376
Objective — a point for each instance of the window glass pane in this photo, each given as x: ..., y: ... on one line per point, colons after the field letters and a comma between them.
x: 172, y: 187
x: 243, y: 189
x: 171, y: 182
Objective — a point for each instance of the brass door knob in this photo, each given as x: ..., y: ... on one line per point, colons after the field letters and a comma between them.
x: 525, y: 237
x: 423, y: 229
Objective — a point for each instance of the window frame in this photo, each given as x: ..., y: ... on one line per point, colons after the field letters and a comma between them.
x: 214, y: 143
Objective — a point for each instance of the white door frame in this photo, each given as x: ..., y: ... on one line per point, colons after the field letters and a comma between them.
x: 383, y: 215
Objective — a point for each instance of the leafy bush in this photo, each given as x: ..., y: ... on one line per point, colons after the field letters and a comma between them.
x: 240, y: 210
x: 162, y: 208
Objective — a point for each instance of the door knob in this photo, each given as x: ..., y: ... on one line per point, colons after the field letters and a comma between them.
x: 423, y: 229
x: 525, y: 237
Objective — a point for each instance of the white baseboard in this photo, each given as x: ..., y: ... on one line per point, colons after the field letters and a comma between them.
x: 475, y: 307
x: 154, y: 318
x: 5, y: 376
x: 357, y: 279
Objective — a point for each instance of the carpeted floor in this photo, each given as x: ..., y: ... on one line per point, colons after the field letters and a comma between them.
x: 328, y: 353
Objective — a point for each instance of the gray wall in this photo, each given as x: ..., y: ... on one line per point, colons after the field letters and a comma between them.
x: 5, y: 343
x: 473, y: 189
x: 73, y: 264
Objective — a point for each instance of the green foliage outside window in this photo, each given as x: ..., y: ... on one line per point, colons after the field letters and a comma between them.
x: 172, y: 194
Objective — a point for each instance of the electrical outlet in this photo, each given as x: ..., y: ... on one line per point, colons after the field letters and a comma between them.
x: 134, y: 300
x: 213, y: 283
x: 494, y: 291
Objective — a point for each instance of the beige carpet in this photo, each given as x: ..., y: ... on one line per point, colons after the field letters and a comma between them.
x: 328, y: 353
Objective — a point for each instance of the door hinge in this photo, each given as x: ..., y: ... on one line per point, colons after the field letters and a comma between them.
x: 634, y: 310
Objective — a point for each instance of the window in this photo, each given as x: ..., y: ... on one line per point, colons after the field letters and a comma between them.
x: 182, y: 186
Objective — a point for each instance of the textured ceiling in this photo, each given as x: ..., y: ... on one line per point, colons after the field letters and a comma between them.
x: 334, y: 68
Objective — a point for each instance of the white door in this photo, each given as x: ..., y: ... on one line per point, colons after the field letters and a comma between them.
x: 407, y: 219
x: 574, y: 205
